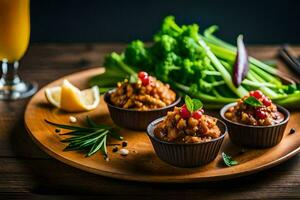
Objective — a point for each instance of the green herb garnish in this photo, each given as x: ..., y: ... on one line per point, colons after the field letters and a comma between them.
x: 252, y: 101
x: 133, y: 78
x: 192, y: 104
x: 91, y: 138
x: 228, y: 160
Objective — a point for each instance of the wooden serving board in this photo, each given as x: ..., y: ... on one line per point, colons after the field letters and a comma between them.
x: 142, y: 164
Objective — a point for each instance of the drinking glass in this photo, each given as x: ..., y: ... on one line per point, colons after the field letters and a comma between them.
x: 14, y: 39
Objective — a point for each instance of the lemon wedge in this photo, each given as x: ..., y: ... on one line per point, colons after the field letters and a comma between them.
x: 69, y: 98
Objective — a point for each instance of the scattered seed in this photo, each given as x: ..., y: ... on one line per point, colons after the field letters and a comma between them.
x: 134, y: 151
x: 106, y: 158
x: 124, y: 152
x: 115, y: 149
x: 72, y: 119
x: 293, y: 130
x: 57, y: 130
x: 124, y: 144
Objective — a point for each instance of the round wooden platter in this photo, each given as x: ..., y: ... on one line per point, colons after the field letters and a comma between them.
x: 142, y: 164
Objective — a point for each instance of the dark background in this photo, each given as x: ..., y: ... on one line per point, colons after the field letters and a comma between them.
x: 263, y: 22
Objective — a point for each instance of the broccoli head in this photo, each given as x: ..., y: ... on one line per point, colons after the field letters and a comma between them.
x: 169, y: 27
x: 136, y: 54
x: 191, y: 49
x: 191, y: 31
x: 164, y: 45
x: 166, y: 66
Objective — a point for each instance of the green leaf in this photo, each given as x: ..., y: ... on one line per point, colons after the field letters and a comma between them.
x: 96, y: 147
x: 84, y: 137
x: 76, y: 141
x: 103, y: 147
x: 228, y: 160
x: 115, y: 135
x: 78, y: 146
x: 192, y: 104
x: 90, y: 139
x: 197, y: 104
x: 189, y: 103
x: 252, y: 101
x: 77, y: 133
x: 133, y: 79
x: 67, y: 126
x: 91, y: 123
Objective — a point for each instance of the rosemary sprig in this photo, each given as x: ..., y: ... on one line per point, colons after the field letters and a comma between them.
x: 90, y: 138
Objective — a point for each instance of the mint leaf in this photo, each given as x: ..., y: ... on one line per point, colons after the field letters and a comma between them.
x: 252, y: 101
x: 192, y: 104
x: 228, y: 160
x: 189, y: 103
x: 197, y: 104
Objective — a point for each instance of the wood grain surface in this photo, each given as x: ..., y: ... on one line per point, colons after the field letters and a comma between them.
x: 28, y: 173
x: 142, y: 164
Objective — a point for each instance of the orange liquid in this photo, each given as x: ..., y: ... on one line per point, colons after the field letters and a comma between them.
x: 14, y: 29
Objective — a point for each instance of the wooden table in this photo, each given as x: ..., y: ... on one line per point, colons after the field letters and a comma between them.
x: 28, y: 173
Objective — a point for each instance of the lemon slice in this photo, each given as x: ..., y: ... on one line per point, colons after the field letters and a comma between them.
x: 53, y: 95
x: 71, y: 99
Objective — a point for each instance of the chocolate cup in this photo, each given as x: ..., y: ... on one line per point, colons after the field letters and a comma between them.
x: 186, y: 154
x: 136, y: 119
x: 255, y: 136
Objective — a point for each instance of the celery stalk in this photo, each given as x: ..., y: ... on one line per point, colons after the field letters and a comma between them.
x: 240, y: 91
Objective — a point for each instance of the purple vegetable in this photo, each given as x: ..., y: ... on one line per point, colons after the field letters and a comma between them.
x: 241, y: 63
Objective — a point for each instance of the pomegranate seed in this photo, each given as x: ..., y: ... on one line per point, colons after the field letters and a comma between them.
x: 184, y: 113
x: 145, y: 81
x: 267, y: 101
x: 142, y: 74
x: 197, y: 114
x: 260, y: 114
x: 202, y: 110
x: 257, y: 94
x: 183, y: 106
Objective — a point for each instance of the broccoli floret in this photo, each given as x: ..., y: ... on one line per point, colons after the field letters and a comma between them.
x: 191, y: 31
x: 136, y: 54
x: 169, y: 27
x: 191, y: 49
x: 163, y: 45
x: 188, y: 66
x: 191, y: 71
x: 166, y: 66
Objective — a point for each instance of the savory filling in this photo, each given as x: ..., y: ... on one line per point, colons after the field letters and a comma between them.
x: 144, y: 94
x: 187, y: 126
x: 255, y: 109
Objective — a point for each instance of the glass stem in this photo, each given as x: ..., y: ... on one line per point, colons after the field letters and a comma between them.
x: 9, y: 73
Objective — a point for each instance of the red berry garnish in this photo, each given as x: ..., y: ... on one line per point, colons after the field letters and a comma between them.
x: 145, y: 81
x: 142, y: 74
x: 267, y: 101
x: 260, y: 114
x: 184, y: 113
x: 197, y: 114
x: 257, y: 94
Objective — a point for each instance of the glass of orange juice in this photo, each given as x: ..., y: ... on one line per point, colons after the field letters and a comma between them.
x: 14, y: 40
